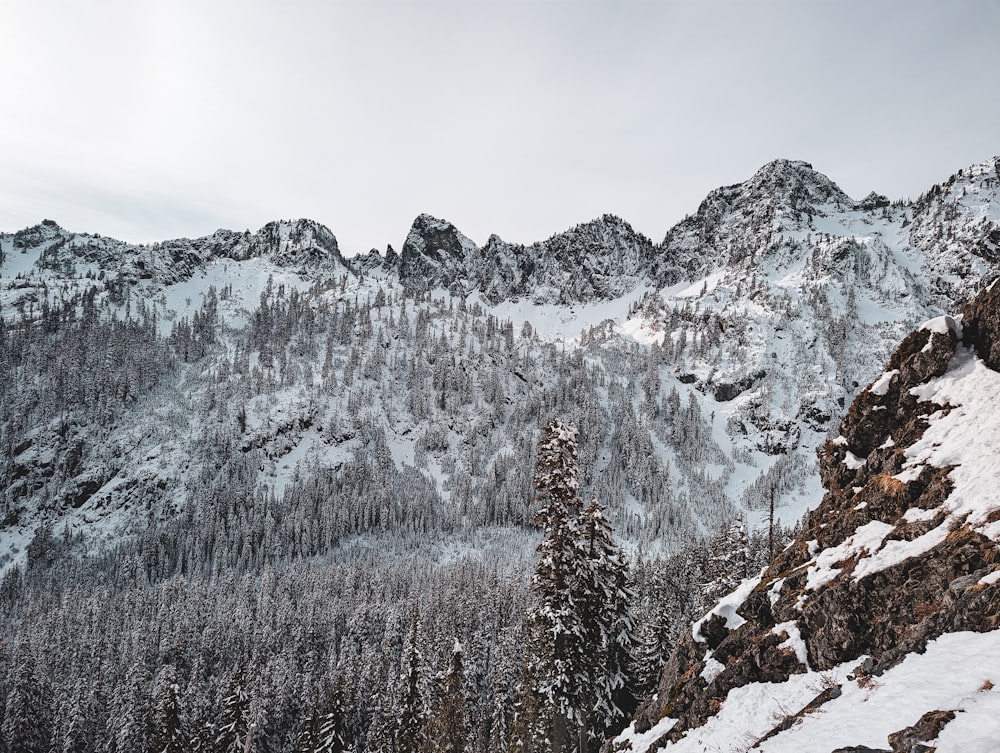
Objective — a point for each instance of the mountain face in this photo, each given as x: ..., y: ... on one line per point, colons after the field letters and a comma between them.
x: 708, y: 366
x: 60, y: 254
x: 898, y: 567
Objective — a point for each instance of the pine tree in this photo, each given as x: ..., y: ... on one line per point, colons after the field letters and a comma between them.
x: 131, y: 716
x: 234, y: 723
x: 580, y: 634
x: 609, y: 625
x: 557, y: 634
x: 449, y: 724
x: 411, y: 731
x: 78, y: 734
x: 168, y: 727
x: 27, y: 721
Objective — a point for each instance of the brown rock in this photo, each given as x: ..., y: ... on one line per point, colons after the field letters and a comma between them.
x: 925, y: 730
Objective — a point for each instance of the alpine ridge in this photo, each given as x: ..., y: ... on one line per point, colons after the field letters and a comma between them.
x: 781, y: 270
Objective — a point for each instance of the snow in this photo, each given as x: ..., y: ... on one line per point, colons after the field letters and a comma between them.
x: 952, y: 674
x: 881, y: 385
x: 866, y: 539
x: 556, y: 323
x: 774, y: 592
x: 727, y: 606
x: 990, y: 579
x: 793, y: 640
x: 713, y: 668
x: 20, y: 263
x: 702, y: 287
x: 248, y: 280
x: 852, y: 461
x: 943, y: 325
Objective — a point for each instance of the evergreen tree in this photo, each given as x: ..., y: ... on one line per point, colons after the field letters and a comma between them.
x: 78, y: 733
x: 131, y: 716
x: 168, y: 727
x: 413, y: 714
x: 234, y: 723
x: 449, y: 724
x: 580, y: 631
x: 27, y: 721
x: 557, y: 635
x: 608, y: 622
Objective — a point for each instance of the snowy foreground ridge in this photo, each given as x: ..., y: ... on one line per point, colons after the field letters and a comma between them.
x: 878, y: 626
x: 956, y: 673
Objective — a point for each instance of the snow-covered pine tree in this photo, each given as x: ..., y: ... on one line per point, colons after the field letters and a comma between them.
x: 169, y: 735
x: 412, y: 706
x: 449, y: 724
x: 308, y: 737
x: 607, y: 621
x: 556, y: 642
x: 580, y: 633
x: 234, y: 723
x: 27, y: 721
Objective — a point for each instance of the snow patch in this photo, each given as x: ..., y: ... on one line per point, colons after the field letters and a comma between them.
x: 864, y: 540
x: 881, y: 385
x: 793, y: 640
x: 713, y: 668
x: 852, y: 461
x: 727, y: 606
x: 942, y: 325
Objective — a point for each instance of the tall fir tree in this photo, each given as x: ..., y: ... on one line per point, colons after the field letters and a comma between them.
x: 580, y: 633
x: 27, y: 721
x: 233, y: 728
x: 169, y: 734
x: 557, y: 636
x: 448, y: 728
x: 411, y: 730
x: 608, y: 622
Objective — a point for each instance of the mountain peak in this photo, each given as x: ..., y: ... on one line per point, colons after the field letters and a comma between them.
x: 299, y: 242
x: 434, y: 253
x: 794, y: 182
x: 36, y: 235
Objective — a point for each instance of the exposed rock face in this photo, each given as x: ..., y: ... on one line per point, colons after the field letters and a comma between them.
x: 435, y: 254
x: 838, y: 588
x: 594, y: 261
x: 300, y: 244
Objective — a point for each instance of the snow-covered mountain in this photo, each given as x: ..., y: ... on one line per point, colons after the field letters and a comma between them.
x: 878, y: 627
x: 236, y: 471
x: 703, y: 370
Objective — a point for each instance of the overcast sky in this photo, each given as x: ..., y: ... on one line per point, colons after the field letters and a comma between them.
x: 150, y: 120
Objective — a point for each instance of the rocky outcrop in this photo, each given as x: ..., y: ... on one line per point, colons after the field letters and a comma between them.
x: 301, y: 245
x: 882, y: 566
x: 435, y: 255
x: 597, y: 260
